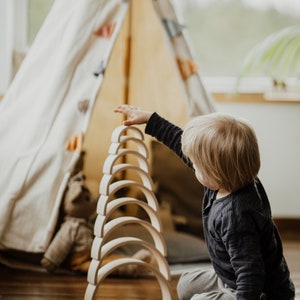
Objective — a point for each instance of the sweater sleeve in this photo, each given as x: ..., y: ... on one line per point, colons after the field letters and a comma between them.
x: 167, y: 133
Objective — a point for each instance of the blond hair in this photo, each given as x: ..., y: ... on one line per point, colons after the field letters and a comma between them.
x: 223, y: 148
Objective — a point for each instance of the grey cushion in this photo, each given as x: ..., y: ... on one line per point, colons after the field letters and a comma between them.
x: 185, y: 248
x: 181, y: 247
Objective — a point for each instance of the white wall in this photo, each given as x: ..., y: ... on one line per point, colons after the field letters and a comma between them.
x: 277, y: 127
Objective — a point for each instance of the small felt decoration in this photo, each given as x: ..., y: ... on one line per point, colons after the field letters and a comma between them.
x: 83, y: 105
x: 75, y: 143
x: 100, y: 69
x: 187, y: 67
x: 105, y: 31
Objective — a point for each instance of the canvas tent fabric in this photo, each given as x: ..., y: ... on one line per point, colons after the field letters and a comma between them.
x: 79, y: 67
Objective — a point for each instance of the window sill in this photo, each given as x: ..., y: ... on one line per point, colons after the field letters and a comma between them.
x: 256, y: 89
x: 251, y: 98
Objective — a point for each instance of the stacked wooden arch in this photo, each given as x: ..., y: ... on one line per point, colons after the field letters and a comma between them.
x: 104, y: 224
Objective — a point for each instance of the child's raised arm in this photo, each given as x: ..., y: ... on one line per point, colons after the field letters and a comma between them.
x: 134, y: 115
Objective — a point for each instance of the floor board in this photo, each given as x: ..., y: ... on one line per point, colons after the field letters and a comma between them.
x: 20, y: 284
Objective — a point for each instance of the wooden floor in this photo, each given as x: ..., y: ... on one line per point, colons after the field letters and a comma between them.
x: 33, y: 286
x: 16, y: 284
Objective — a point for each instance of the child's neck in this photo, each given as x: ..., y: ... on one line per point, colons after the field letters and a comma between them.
x: 222, y: 193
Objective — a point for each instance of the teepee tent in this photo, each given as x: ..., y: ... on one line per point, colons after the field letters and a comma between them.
x: 88, y: 57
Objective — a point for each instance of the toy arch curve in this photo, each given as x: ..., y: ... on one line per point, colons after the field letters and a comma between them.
x: 99, y: 253
x: 107, y: 178
x: 103, y: 231
x: 116, y: 203
x: 121, y: 131
x: 113, y: 265
x: 160, y: 258
x: 112, y: 158
x: 102, y: 218
x: 114, y: 187
x: 116, y: 147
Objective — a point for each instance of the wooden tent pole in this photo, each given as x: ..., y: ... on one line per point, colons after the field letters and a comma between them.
x: 128, y: 55
x: 127, y: 62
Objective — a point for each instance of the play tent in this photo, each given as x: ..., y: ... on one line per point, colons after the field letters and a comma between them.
x: 88, y: 57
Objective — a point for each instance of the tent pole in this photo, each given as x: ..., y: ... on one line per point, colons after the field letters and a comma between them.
x: 128, y: 55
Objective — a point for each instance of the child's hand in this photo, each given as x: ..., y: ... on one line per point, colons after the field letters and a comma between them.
x: 134, y: 115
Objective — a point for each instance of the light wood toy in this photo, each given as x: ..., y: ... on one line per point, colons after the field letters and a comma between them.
x: 107, y: 204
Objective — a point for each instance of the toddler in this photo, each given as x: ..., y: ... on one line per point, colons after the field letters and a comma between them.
x: 243, y: 242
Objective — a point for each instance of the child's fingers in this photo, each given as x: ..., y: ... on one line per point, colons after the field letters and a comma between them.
x: 119, y: 109
x: 124, y: 109
x: 128, y: 122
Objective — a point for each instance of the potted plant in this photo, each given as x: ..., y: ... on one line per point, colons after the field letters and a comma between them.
x: 277, y: 57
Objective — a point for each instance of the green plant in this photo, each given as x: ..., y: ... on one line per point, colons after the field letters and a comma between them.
x: 277, y: 56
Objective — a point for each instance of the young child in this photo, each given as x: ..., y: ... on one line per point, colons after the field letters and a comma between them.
x: 243, y: 242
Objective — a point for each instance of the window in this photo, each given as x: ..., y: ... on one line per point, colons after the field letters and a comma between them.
x: 29, y: 16
x: 37, y: 12
x: 222, y: 32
